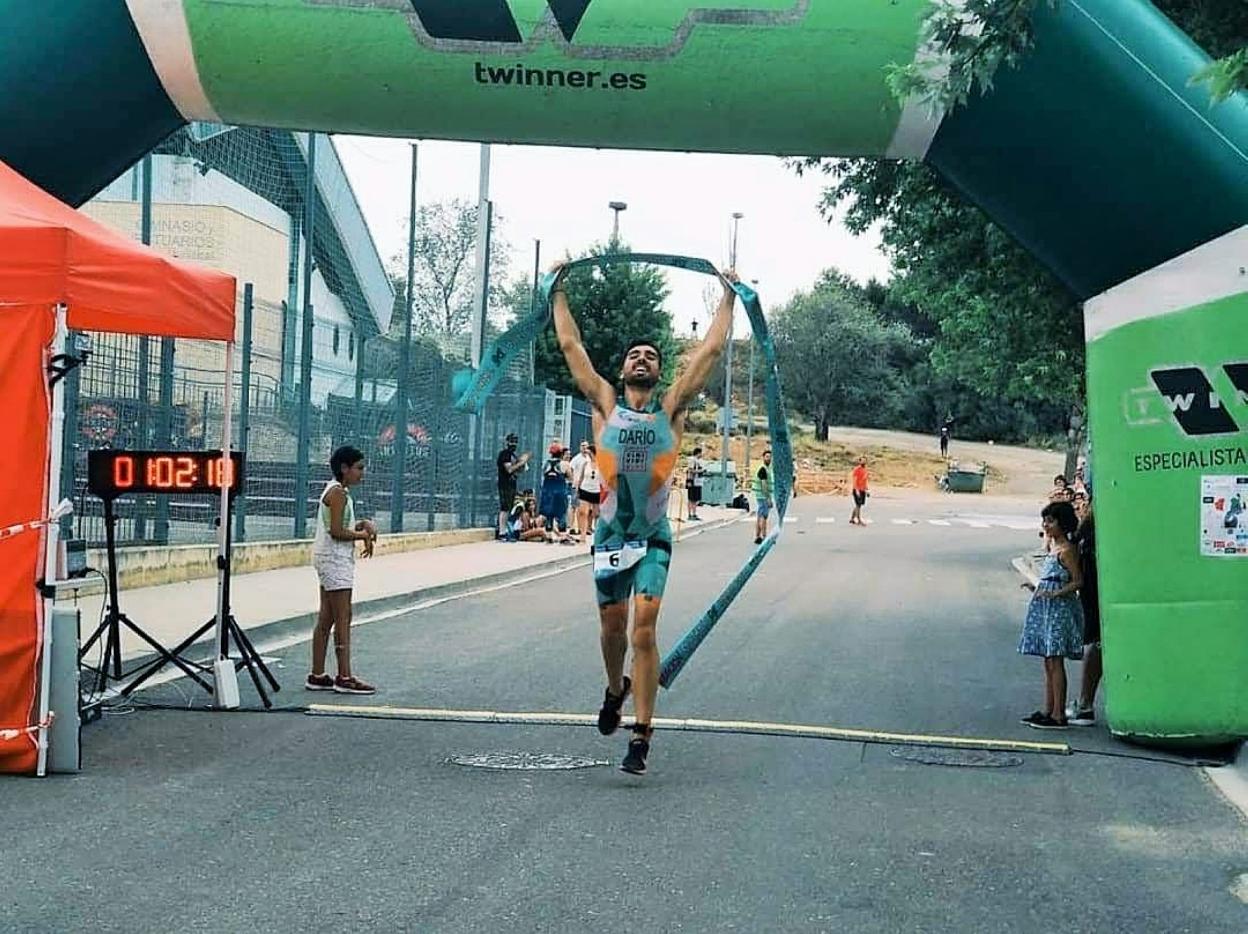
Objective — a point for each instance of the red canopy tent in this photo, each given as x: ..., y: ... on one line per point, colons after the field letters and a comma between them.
x: 58, y: 269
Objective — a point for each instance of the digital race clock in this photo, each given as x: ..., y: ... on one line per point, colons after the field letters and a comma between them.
x: 115, y: 473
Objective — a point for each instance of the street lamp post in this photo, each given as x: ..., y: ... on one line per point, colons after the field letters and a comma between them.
x: 727, y: 411
x: 749, y: 400
x: 616, y: 207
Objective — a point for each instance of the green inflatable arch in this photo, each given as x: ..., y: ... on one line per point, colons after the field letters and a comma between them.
x: 1095, y: 153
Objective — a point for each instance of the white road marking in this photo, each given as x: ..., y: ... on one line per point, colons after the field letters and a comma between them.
x: 825, y: 520
x: 790, y: 518
x: 940, y: 522
x: 976, y: 525
x: 903, y: 522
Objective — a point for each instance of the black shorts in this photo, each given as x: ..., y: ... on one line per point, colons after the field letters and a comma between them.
x: 860, y: 497
x: 586, y: 496
x: 1091, y: 620
x: 506, y: 497
x: 695, y: 494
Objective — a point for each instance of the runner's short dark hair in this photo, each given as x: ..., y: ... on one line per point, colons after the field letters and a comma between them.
x: 343, y: 458
x: 642, y: 342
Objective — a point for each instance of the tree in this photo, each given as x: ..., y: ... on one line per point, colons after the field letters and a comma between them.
x: 839, y: 363
x: 977, y: 37
x: 612, y: 305
x: 1002, y: 328
x: 445, y: 268
x: 1003, y: 323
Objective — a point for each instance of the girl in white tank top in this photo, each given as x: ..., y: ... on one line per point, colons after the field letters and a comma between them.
x: 333, y: 557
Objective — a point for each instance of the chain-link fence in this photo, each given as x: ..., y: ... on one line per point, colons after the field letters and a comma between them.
x: 319, y: 349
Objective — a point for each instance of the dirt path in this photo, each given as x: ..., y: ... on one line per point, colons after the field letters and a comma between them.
x: 1014, y: 471
x: 900, y: 461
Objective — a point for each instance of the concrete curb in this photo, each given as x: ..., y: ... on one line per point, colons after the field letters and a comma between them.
x: 291, y: 630
x: 140, y: 566
x: 1232, y: 780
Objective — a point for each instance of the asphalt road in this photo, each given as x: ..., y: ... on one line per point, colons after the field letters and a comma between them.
x: 279, y: 821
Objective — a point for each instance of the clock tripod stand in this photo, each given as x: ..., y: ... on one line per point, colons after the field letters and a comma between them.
x: 247, y: 656
x: 110, y: 627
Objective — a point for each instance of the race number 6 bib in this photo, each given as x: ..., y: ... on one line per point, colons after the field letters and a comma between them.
x: 611, y: 559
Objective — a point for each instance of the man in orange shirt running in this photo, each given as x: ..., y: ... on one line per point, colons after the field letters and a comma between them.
x: 859, y: 482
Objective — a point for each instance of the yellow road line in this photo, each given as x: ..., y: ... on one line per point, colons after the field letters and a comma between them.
x: 692, y: 725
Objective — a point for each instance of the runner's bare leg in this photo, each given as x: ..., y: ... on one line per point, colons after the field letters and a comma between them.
x: 614, y: 641
x: 645, y: 656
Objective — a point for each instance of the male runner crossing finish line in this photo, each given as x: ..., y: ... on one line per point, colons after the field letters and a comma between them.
x: 638, y: 439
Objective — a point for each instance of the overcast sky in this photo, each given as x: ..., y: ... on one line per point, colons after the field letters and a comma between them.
x: 677, y: 203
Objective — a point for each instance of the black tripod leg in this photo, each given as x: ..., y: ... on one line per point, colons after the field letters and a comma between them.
x: 165, y: 657
x: 246, y: 646
x: 252, y: 661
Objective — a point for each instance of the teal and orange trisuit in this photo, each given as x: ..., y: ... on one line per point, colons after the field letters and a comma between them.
x: 633, y: 539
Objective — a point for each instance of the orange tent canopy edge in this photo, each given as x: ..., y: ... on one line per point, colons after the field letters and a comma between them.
x: 51, y: 254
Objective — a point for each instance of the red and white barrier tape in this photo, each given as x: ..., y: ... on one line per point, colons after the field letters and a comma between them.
x: 17, y: 733
x: 64, y: 508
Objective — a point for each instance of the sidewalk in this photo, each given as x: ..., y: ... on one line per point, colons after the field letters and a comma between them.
x: 288, y: 598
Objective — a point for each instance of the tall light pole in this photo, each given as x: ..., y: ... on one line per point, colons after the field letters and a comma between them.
x: 749, y: 399
x: 480, y: 307
x: 405, y: 363
x: 617, y: 207
x: 727, y: 411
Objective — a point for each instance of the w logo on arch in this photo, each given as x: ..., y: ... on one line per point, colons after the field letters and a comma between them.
x: 1194, y: 403
x: 492, y: 25
x: 489, y: 20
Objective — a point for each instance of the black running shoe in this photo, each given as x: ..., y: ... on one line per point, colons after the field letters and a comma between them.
x: 635, y: 762
x: 609, y: 714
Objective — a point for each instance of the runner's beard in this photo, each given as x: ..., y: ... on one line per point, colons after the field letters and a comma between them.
x: 649, y: 381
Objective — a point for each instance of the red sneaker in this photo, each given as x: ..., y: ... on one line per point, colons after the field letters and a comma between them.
x: 352, y: 685
x: 319, y: 683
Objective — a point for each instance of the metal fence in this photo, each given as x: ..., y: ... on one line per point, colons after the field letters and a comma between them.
x: 131, y: 395
x: 320, y: 341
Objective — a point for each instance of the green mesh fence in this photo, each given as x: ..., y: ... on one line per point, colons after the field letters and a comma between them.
x: 234, y: 198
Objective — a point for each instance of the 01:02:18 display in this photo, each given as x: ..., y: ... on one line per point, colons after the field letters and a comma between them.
x: 172, y: 472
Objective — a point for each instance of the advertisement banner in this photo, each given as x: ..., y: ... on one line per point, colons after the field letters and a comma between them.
x: 805, y: 76
x: 1168, y: 392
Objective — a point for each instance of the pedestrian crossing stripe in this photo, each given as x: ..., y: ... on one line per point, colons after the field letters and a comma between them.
x: 980, y: 522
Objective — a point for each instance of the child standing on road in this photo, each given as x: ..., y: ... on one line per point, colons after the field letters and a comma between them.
x: 333, y: 557
x: 1053, y: 628
x: 859, y: 482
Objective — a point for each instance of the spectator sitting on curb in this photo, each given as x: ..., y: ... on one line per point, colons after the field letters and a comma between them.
x: 528, y: 524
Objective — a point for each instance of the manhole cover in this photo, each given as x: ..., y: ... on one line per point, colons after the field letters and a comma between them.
x: 962, y: 758
x: 524, y: 761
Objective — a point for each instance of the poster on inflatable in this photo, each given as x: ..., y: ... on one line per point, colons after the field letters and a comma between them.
x: 1168, y: 387
x: 1224, y: 516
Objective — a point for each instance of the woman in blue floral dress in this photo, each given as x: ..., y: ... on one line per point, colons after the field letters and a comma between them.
x: 1053, y: 628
